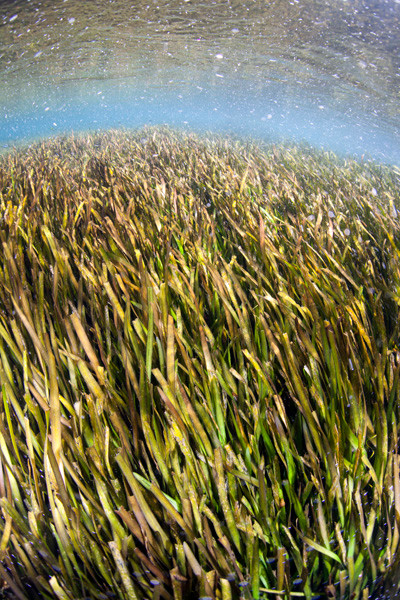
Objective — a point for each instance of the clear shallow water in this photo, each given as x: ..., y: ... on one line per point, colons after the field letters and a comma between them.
x: 327, y: 72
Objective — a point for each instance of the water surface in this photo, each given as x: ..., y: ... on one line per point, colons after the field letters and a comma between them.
x: 327, y: 72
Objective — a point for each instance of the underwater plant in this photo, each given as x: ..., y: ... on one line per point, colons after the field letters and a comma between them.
x: 199, y: 366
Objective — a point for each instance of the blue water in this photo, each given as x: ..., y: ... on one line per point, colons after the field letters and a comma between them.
x: 318, y: 71
x: 270, y: 118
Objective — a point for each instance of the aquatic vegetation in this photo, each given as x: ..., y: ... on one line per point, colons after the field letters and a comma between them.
x: 199, y: 363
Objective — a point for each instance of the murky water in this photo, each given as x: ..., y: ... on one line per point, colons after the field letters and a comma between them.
x: 327, y: 72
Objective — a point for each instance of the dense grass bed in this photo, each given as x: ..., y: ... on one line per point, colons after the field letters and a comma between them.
x: 199, y: 361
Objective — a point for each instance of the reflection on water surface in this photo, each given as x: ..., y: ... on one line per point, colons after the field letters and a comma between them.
x: 327, y: 72
x: 324, y: 72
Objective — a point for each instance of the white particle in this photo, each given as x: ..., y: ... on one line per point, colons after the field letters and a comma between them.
x: 374, y: 192
x: 347, y: 232
x: 71, y: 20
x: 331, y: 214
x: 11, y: 19
x: 219, y: 56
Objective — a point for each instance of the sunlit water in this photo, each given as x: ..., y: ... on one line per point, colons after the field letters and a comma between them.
x: 325, y: 72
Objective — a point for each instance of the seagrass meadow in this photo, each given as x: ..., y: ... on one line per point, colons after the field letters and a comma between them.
x: 199, y: 367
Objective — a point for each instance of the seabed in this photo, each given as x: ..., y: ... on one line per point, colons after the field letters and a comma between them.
x: 199, y: 361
